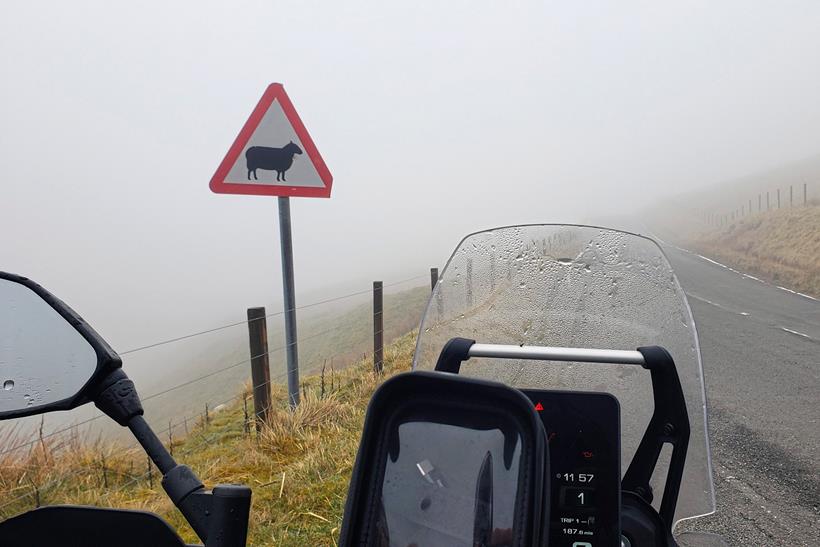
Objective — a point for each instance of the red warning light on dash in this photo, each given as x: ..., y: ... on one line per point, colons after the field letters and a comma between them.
x: 538, y: 406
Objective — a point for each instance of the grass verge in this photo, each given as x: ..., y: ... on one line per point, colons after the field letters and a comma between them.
x: 781, y: 246
x: 298, y: 466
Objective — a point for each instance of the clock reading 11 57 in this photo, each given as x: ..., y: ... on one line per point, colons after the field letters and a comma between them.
x: 577, y: 477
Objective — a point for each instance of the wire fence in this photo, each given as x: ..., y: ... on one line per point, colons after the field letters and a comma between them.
x: 65, y: 437
x: 267, y: 316
x: 37, y: 494
x: 787, y: 196
x: 214, y: 372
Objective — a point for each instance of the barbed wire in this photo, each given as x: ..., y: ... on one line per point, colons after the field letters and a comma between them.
x: 189, y: 449
x: 199, y: 439
x: 273, y: 314
x: 62, y: 478
x: 209, y: 374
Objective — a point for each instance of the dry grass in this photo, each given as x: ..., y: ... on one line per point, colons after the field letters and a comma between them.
x: 52, y: 466
x: 298, y: 466
x: 782, y: 246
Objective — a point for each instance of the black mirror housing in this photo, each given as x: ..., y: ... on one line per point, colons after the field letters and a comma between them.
x: 107, y: 358
x: 411, y: 462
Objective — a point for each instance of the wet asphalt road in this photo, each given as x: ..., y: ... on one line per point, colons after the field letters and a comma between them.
x: 761, y: 358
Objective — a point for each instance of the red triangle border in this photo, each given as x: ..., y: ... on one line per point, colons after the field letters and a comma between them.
x: 274, y: 92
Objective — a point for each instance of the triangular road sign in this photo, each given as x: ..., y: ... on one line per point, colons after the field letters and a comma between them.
x: 273, y: 154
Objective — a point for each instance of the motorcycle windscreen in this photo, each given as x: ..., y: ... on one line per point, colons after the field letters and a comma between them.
x: 576, y: 286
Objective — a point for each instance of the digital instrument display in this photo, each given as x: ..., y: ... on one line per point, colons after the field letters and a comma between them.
x: 583, y: 432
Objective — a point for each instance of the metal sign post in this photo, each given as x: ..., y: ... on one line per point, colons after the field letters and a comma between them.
x: 289, y: 293
x: 275, y: 156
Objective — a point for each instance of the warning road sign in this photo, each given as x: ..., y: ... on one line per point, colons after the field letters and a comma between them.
x: 273, y: 154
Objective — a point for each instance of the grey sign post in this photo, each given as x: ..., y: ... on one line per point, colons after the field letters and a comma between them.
x: 289, y: 293
x: 275, y: 156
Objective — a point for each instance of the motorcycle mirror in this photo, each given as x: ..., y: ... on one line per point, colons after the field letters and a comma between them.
x: 446, y: 459
x: 50, y: 359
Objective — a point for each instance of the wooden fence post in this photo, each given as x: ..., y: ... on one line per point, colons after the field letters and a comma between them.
x: 260, y: 368
x: 246, y: 425
x: 378, y: 327
x: 324, y: 365
x: 433, y: 278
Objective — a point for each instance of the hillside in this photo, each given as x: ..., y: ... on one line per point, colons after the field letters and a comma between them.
x: 299, y: 467
x: 724, y: 197
x: 766, y: 224
x: 781, y: 246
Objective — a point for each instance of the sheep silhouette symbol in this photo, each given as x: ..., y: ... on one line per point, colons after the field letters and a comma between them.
x: 271, y: 159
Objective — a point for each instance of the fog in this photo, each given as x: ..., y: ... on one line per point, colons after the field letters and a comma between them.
x: 436, y: 119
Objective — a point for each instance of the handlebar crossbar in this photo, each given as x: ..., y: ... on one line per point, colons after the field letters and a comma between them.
x: 545, y: 353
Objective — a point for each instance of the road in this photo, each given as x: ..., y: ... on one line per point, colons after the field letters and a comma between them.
x: 761, y: 358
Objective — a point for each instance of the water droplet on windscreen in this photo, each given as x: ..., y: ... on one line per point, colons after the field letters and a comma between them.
x: 565, y: 261
x: 8, y: 385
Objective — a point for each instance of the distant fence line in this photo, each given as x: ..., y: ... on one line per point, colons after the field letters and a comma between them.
x: 766, y: 201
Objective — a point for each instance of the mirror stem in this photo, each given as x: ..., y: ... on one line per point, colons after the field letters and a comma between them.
x: 117, y: 398
x: 219, y: 517
x: 151, y: 444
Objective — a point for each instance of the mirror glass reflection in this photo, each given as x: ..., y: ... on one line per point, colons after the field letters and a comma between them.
x: 43, y: 359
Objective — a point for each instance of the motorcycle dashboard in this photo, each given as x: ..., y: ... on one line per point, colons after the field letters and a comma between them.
x: 583, y: 435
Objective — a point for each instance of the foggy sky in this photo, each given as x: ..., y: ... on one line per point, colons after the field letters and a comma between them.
x: 435, y: 118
